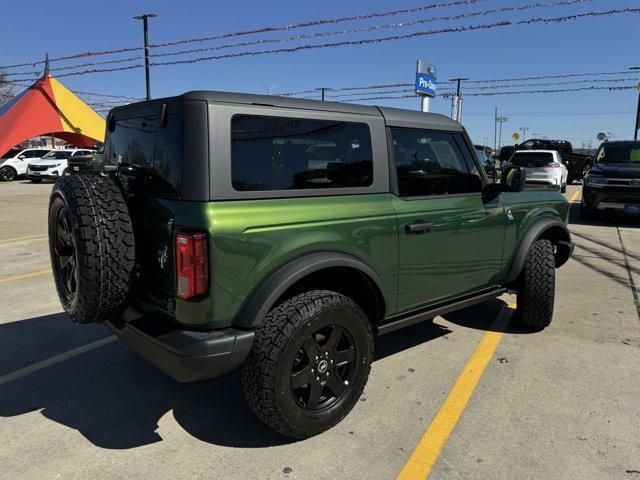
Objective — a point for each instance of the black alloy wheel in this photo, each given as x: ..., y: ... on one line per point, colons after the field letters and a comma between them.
x: 66, y: 261
x: 323, y: 368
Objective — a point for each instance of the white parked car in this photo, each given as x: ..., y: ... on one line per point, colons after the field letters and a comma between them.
x: 542, y: 166
x: 15, y: 164
x: 53, y: 164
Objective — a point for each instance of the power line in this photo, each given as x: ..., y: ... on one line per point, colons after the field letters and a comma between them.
x: 399, y: 85
x: 517, y: 92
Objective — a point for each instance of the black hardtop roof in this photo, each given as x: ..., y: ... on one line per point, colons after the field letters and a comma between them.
x: 393, y: 116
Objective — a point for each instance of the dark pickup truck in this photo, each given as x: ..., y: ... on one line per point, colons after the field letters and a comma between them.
x: 576, y: 163
x: 612, y: 185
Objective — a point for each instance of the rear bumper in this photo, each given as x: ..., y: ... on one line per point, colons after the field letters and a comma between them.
x: 185, y: 355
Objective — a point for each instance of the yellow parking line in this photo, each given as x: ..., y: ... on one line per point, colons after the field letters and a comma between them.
x: 55, y: 359
x: 434, y: 439
x: 574, y: 197
x: 15, y: 278
x: 20, y: 239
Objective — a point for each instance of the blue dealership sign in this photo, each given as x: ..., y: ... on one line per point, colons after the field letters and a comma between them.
x: 426, y: 84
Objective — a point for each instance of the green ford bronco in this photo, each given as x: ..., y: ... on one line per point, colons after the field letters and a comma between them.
x: 280, y: 236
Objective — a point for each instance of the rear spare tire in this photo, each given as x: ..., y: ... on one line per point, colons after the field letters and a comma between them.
x: 91, y: 245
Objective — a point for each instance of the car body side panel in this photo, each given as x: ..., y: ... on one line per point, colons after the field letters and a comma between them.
x: 523, y: 209
x: 252, y: 239
x: 461, y: 254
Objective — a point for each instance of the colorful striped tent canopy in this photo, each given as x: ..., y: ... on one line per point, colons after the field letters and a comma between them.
x: 49, y: 108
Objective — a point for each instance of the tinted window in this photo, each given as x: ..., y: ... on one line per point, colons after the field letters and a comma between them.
x: 150, y: 157
x: 279, y: 153
x: 431, y: 163
x: 621, y: 153
x: 528, y: 159
x: 34, y: 153
x: 57, y: 155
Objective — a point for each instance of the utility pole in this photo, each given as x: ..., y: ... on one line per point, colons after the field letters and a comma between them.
x: 635, y: 132
x: 145, y: 25
x: 495, y: 130
x: 501, y: 120
x: 524, y: 131
x: 456, y: 107
x: 322, y: 90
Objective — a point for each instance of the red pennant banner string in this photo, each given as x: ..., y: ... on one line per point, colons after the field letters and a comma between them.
x: 375, y: 27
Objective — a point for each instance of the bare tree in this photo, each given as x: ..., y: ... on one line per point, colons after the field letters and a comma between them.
x: 7, y: 90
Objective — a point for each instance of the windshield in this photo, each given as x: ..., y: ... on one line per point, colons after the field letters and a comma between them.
x: 57, y: 155
x: 619, y: 154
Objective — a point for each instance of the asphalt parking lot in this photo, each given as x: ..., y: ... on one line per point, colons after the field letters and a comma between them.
x: 563, y: 403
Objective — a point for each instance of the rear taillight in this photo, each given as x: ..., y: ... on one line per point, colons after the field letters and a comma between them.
x: 552, y: 165
x: 192, y: 264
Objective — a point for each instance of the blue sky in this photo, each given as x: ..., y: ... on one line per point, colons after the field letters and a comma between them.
x: 588, y: 45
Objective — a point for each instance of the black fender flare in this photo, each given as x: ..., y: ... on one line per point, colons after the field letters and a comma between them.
x: 561, y: 239
x: 264, y: 297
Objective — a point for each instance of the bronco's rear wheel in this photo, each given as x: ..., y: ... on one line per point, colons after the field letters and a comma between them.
x: 537, y: 284
x: 309, y: 363
x: 91, y: 246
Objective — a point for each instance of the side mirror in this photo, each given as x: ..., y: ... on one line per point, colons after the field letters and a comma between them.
x: 22, y: 157
x: 513, y: 179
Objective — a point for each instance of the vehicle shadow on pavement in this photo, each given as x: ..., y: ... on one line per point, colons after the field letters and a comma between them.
x: 482, y: 317
x: 116, y: 400
x: 589, y: 248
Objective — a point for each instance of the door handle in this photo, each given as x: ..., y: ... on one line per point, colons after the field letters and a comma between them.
x: 418, y: 227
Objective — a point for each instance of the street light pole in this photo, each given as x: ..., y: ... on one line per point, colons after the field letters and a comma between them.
x: 635, y: 132
x: 145, y: 25
x: 524, y: 131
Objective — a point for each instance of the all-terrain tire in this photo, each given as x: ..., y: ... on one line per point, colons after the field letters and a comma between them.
x: 536, y: 286
x: 97, y: 245
x: 266, y: 374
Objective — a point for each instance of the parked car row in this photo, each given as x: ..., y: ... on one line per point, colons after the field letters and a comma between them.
x: 38, y: 163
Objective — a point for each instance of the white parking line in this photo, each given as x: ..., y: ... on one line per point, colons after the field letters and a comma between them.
x: 55, y: 359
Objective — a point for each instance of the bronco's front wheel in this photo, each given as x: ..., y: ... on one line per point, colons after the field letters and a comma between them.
x: 537, y: 286
x: 309, y: 363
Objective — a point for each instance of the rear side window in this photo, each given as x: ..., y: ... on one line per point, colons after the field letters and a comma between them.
x: 281, y: 153
x: 532, y: 160
x: 432, y: 163
x: 149, y: 156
